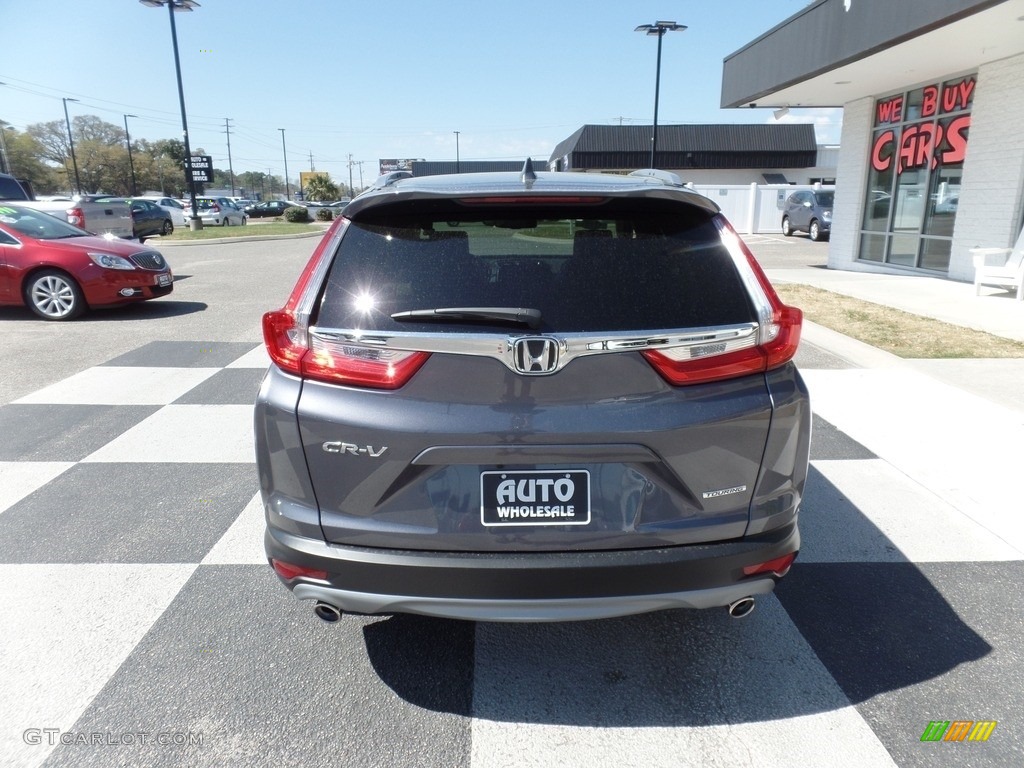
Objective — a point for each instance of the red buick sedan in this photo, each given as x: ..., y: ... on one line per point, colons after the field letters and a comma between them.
x: 58, y: 270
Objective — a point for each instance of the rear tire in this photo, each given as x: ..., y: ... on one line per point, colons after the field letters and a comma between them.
x: 787, y: 229
x: 167, y: 229
x: 54, y: 295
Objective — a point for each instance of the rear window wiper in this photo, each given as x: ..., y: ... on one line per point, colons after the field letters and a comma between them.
x: 522, y: 315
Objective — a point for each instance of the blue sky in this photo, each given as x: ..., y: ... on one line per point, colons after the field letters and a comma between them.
x: 383, y: 79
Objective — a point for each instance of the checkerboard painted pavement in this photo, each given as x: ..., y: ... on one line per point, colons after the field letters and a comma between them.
x: 140, y: 625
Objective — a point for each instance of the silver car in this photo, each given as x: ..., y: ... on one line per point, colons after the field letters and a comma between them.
x: 531, y: 397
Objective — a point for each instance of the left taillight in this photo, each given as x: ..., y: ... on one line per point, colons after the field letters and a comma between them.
x: 76, y: 216
x: 297, y: 351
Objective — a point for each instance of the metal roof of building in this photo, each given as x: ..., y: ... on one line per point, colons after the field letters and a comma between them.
x: 691, y: 146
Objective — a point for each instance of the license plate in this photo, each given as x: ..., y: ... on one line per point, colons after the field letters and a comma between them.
x: 533, y: 497
x: 163, y: 280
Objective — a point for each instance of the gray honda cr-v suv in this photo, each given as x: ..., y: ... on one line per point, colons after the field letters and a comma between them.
x: 527, y: 397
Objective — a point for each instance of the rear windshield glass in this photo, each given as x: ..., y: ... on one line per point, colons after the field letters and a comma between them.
x: 617, y: 266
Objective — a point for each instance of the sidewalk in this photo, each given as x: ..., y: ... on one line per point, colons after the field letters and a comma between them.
x: 953, y: 426
x: 999, y: 381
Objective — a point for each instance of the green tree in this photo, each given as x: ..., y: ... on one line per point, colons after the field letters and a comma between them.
x: 321, y: 189
x: 24, y: 154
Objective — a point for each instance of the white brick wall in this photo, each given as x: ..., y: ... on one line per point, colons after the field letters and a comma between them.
x: 851, y: 181
x: 991, y: 207
x: 991, y: 204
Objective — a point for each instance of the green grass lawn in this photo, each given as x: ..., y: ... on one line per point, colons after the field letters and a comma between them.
x: 274, y: 227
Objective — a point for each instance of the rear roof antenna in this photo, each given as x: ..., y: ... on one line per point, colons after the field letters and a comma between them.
x: 528, y: 176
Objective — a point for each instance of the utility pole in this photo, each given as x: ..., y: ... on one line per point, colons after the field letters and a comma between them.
x: 3, y: 147
x: 284, y: 151
x: 350, y: 163
x: 231, y: 169
x: 311, y: 168
x: 131, y: 163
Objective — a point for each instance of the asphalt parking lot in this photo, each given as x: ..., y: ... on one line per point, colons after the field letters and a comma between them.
x: 139, y: 624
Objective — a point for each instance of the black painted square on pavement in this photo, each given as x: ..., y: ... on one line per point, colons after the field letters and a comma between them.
x: 230, y: 386
x: 127, y: 513
x: 183, y: 354
x: 239, y: 661
x: 30, y: 432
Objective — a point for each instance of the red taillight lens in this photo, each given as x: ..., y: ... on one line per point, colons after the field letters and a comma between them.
x: 215, y: 208
x: 76, y: 216
x: 288, y: 571
x: 336, y: 362
x: 778, y: 567
x: 778, y: 335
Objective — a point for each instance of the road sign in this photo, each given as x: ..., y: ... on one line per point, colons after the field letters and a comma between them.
x: 202, y: 168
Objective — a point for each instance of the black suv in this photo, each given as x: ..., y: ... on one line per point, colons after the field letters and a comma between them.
x: 536, y: 396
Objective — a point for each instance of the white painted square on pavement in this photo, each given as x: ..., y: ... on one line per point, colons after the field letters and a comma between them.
x: 112, y: 385
x: 257, y: 358
x: 186, y: 434
x: 54, y: 662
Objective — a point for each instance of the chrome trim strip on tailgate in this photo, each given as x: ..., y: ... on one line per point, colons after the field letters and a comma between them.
x: 697, y: 342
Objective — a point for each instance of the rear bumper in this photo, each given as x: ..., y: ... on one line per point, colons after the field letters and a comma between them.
x: 531, y: 586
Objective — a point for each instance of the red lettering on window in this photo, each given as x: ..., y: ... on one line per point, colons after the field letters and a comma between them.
x: 916, y: 146
x: 930, y: 102
x: 890, y: 111
x: 881, y: 152
x: 956, y: 138
x: 957, y: 96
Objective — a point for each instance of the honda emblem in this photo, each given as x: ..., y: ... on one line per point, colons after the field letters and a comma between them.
x: 535, y: 355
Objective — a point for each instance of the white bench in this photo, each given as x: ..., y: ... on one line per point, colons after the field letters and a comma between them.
x: 1000, y: 267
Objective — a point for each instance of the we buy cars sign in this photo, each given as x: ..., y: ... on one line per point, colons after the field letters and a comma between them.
x: 201, y: 167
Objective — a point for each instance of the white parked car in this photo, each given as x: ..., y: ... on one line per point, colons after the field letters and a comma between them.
x: 169, y: 204
x: 220, y: 212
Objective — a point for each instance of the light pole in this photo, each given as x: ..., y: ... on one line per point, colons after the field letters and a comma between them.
x: 658, y: 29
x: 195, y: 223
x: 3, y: 147
x: 284, y: 149
x: 131, y: 163
x: 71, y: 142
x: 457, y: 151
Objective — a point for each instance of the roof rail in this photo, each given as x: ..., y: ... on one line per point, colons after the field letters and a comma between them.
x: 390, y: 178
x: 665, y: 177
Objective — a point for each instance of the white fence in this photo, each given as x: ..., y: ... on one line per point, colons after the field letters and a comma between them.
x: 752, y: 208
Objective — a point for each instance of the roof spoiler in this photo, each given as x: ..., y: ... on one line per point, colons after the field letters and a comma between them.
x: 665, y: 177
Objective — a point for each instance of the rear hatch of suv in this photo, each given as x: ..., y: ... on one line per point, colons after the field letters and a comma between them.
x: 543, y: 373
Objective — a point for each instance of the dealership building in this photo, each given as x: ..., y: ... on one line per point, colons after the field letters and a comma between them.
x: 931, y: 159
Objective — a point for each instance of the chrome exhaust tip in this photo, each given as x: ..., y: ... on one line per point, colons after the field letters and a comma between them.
x: 326, y: 612
x: 742, y: 607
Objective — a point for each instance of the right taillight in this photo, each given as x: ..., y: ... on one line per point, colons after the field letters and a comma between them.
x: 778, y: 334
x: 76, y: 216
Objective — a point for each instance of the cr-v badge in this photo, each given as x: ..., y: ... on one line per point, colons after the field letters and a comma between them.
x: 336, y: 446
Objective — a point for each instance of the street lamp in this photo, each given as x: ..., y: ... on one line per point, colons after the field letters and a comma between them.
x: 457, y: 152
x: 3, y: 147
x: 195, y: 223
x: 658, y: 29
x: 71, y: 141
x: 131, y: 163
x: 284, y: 149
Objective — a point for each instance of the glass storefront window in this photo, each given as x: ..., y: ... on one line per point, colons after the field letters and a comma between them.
x: 916, y: 162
